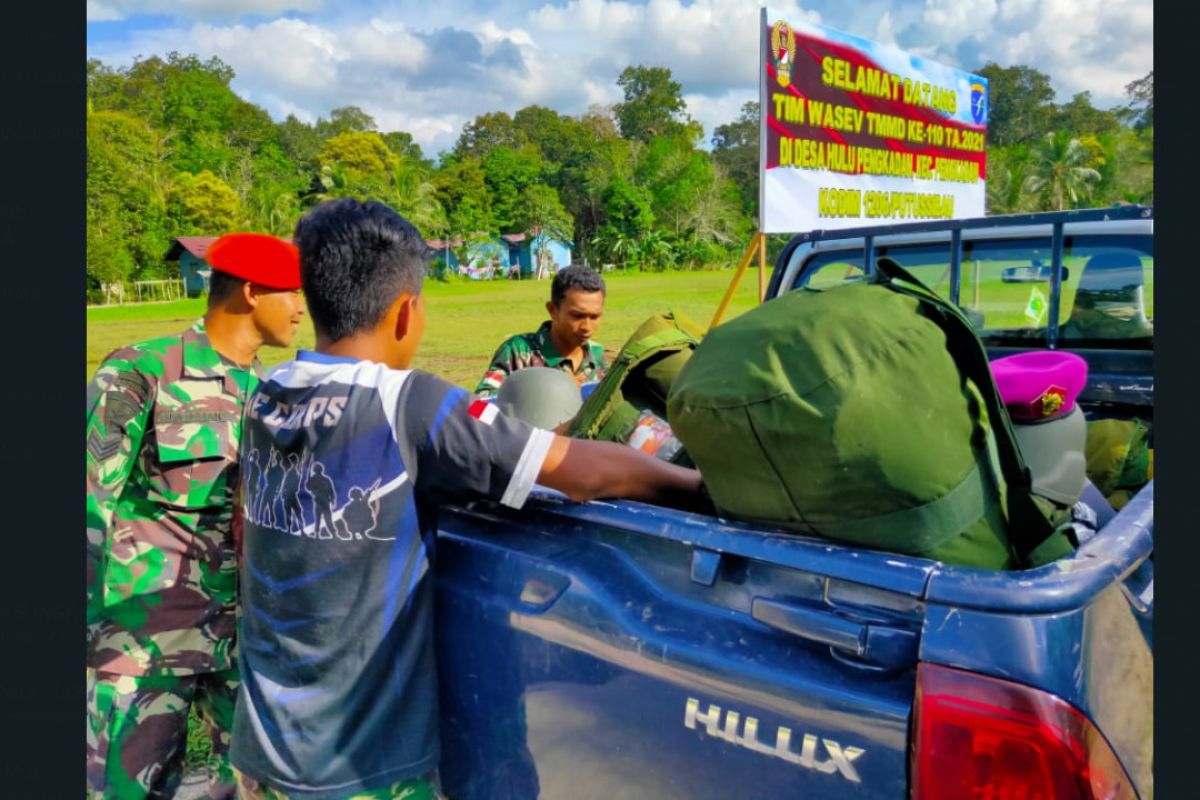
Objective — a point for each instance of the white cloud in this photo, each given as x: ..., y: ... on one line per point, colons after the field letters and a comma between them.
x: 99, y: 12
x: 714, y: 111
x: 386, y: 44
x: 1083, y: 45
x: 955, y: 19
x: 195, y: 9
x: 282, y: 53
x: 883, y: 29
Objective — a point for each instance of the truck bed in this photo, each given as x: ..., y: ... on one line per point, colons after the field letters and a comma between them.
x: 620, y: 650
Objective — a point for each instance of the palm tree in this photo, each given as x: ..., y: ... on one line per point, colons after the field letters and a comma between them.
x: 620, y: 246
x: 654, y: 250
x: 1060, y: 170
x: 1008, y: 171
x: 415, y: 196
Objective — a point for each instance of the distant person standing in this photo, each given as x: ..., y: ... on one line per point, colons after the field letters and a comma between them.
x: 564, y: 341
x: 164, y: 420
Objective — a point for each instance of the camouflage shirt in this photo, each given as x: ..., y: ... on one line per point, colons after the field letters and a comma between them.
x: 536, y: 350
x: 163, y: 423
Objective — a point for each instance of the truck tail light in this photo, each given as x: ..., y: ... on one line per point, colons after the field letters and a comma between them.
x: 982, y: 738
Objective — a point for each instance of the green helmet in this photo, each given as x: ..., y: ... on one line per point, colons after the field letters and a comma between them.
x: 542, y: 396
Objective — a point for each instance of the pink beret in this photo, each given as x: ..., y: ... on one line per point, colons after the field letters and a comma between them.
x: 1039, y: 385
x: 257, y: 257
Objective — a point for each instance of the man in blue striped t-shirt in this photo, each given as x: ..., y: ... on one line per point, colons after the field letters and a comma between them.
x: 339, y: 688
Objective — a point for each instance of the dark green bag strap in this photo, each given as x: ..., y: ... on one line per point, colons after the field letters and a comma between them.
x: 604, y: 415
x: 1028, y: 526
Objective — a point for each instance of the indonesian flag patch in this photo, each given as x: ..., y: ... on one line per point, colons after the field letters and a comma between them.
x: 483, y: 411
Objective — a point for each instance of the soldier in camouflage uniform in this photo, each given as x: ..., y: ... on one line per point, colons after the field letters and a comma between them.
x: 564, y: 341
x: 163, y: 427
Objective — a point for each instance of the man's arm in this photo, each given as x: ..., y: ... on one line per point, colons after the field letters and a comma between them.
x: 466, y: 448
x: 119, y: 402
x: 584, y: 470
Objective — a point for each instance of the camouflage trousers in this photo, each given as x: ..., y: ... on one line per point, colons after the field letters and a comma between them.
x: 137, y: 732
x: 423, y: 788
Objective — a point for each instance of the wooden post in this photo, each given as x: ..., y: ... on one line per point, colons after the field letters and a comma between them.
x: 755, y: 243
x: 762, y: 266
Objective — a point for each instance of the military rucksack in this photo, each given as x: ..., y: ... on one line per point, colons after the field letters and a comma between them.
x: 639, y: 379
x: 1119, y: 458
x: 864, y: 413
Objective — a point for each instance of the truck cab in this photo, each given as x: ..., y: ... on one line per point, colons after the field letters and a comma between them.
x: 621, y: 650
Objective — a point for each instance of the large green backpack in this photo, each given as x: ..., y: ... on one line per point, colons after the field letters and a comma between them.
x: 1119, y: 458
x: 639, y: 378
x: 867, y: 414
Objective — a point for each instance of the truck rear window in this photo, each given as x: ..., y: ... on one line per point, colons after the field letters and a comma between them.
x: 1005, y: 285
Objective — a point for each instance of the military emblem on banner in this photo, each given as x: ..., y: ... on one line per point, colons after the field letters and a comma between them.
x: 979, y: 109
x: 783, y: 52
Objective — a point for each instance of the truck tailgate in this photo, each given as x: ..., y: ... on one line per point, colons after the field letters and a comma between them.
x: 619, y: 650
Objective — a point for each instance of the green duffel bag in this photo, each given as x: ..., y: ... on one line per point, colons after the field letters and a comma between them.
x: 639, y: 379
x: 865, y: 414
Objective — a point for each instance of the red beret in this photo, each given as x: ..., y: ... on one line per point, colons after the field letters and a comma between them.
x: 257, y: 257
x: 1039, y: 385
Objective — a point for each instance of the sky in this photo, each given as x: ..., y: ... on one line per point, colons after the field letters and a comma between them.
x: 429, y: 67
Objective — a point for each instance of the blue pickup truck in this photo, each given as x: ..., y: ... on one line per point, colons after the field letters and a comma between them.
x: 620, y: 650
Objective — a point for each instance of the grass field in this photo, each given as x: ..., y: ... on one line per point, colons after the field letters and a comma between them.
x: 466, y: 321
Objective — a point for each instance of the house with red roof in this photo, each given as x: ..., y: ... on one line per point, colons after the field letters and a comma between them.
x: 193, y: 269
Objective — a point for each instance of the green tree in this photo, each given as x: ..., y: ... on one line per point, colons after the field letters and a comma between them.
x: 461, y: 187
x: 401, y: 143
x: 596, y: 155
x: 1081, y: 118
x: 735, y: 148
x: 274, y: 207
x: 127, y: 230
x: 415, y: 195
x: 486, y: 132
x: 346, y: 119
x: 653, y: 105
x: 1008, y: 170
x: 540, y: 209
x: 300, y: 140
x: 1141, y: 104
x: 600, y: 121
x: 628, y: 207
x: 674, y: 174
x: 205, y: 204
x: 628, y: 218
x: 509, y: 172
x: 1060, y: 175
x: 202, y: 123
x: 555, y: 136
x: 362, y: 154
x: 1021, y: 103
x: 1128, y: 173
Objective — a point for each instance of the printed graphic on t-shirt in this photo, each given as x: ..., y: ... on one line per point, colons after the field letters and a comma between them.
x: 314, y: 511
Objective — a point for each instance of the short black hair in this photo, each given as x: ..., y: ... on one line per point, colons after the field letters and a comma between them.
x: 221, y: 286
x: 356, y: 258
x: 578, y: 277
